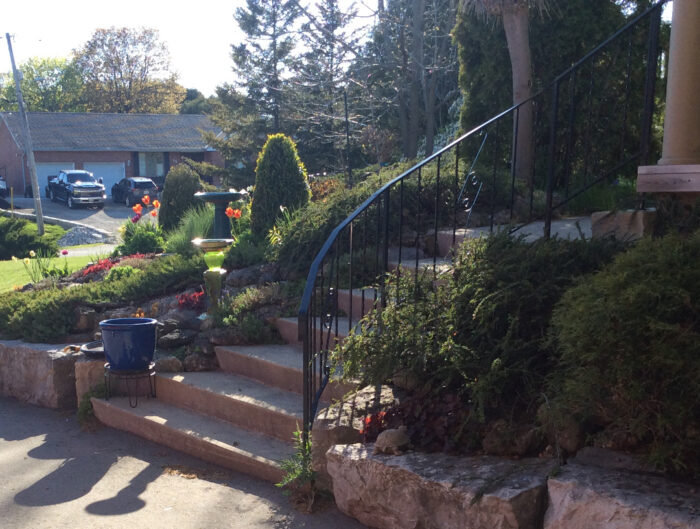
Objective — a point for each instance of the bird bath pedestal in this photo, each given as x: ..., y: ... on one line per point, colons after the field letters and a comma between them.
x: 215, y: 248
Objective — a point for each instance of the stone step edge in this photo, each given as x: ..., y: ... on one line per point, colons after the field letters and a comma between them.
x: 276, y: 375
x: 255, y: 417
x: 212, y: 451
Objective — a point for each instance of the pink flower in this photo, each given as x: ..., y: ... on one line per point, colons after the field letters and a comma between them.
x: 64, y: 252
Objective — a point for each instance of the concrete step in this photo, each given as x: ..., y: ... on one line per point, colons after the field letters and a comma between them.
x: 236, y: 399
x: 279, y: 366
x: 289, y: 330
x: 363, y: 301
x: 441, y: 266
x: 568, y: 228
x: 212, y: 440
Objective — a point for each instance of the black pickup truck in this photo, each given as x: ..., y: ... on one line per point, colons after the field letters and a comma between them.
x: 77, y: 188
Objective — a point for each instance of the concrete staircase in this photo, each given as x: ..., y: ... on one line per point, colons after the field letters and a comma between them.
x: 242, y: 417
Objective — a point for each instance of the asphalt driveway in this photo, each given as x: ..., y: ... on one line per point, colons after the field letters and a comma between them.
x: 108, y: 219
x: 55, y: 476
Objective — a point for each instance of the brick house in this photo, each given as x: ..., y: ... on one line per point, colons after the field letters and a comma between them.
x: 112, y: 146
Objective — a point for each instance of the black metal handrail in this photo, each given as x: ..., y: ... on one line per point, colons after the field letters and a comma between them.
x: 400, y: 223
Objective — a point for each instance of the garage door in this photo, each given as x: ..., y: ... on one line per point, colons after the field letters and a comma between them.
x: 46, y: 169
x: 110, y: 172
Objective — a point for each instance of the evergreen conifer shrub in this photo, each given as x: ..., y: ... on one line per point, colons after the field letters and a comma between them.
x: 178, y: 195
x: 280, y: 180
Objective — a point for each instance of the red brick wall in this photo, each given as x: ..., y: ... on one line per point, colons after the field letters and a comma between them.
x: 10, y: 160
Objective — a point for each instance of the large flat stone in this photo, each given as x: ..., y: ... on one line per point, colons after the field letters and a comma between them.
x: 37, y: 373
x: 342, y: 423
x: 585, y: 497
x: 438, y: 491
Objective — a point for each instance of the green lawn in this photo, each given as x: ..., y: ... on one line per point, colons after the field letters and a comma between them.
x: 13, y: 274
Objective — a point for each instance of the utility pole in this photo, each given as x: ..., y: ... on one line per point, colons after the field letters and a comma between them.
x: 27, y: 140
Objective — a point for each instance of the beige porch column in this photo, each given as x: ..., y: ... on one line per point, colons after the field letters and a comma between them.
x: 679, y: 167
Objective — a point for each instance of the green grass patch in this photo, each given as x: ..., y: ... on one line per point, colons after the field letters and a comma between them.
x: 13, y: 273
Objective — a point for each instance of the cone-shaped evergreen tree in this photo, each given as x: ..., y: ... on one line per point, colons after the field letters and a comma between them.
x: 280, y: 180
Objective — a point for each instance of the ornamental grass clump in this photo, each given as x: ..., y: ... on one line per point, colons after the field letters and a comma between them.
x: 629, y: 339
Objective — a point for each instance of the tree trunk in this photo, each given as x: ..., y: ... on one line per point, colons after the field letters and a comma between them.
x: 417, y: 8
x: 515, y: 24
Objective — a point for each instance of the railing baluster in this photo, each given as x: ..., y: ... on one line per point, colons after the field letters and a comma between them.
x: 514, y: 159
x: 350, y: 282
x: 437, y: 216
x: 456, y: 197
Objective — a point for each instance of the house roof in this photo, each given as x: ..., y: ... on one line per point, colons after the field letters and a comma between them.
x: 62, y: 131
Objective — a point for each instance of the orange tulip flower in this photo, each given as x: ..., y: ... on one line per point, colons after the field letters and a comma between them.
x: 138, y: 208
x: 236, y: 213
x: 146, y: 200
x: 229, y: 212
x: 156, y: 204
x: 154, y: 213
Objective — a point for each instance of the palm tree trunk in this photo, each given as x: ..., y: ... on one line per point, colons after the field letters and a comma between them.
x: 515, y: 24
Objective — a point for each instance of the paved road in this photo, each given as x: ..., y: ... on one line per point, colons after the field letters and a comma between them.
x: 55, y: 476
x: 108, y: 219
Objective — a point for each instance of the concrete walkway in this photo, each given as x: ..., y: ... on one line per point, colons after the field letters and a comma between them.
x: 54, y: 475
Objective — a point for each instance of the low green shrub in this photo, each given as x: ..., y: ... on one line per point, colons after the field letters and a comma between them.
x: 629, y: 338
x: 245, y: 251
x: 141, y: 236
x: 483, y: 333
x: 119, y: 273
x: 181, y: 183
x: 18, y: 237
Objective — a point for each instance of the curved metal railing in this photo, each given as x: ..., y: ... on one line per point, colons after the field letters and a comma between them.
x: 588, y: 126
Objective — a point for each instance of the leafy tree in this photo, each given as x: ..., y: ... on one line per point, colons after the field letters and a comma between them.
x: 557, y: 38
x: 244, y: 131
x: 408, y: 70
x: 196, y: 103
x: 127, y: 70
x: 261, y: 60
x: 320, y: 77
x: 280, y: 182
x: 48, y: 85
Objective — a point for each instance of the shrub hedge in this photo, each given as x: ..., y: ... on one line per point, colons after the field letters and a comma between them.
x: 19, y: 236
x: 629, y: 338
x: 483, y: 333
x: 181, y: 183
x: 49, y: 315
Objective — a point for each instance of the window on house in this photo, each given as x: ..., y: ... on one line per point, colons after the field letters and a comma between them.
x: 151, y: 164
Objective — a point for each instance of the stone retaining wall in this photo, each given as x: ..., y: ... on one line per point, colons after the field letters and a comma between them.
x: 438, y: 491
x: 37, y: 373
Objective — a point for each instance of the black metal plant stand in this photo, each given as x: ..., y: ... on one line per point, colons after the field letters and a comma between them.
x: 132, y: 379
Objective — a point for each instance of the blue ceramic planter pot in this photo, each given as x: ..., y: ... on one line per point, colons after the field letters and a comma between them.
x: 129, y: 343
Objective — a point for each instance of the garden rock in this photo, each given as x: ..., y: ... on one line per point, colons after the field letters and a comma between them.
x: 168, y: 364
x: 176, y: 338
x: 585, y: 497
x: 226, y: 336
x: 610, y: 459
x: 199, y: 362
x: 85, y: 319
x: 438, y: 491
x: 243, y: 276
x: 166, y: 326
x: 342, y: 423
x: 185, y: 318
x: 504, y: 439
x: 201, y: 344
